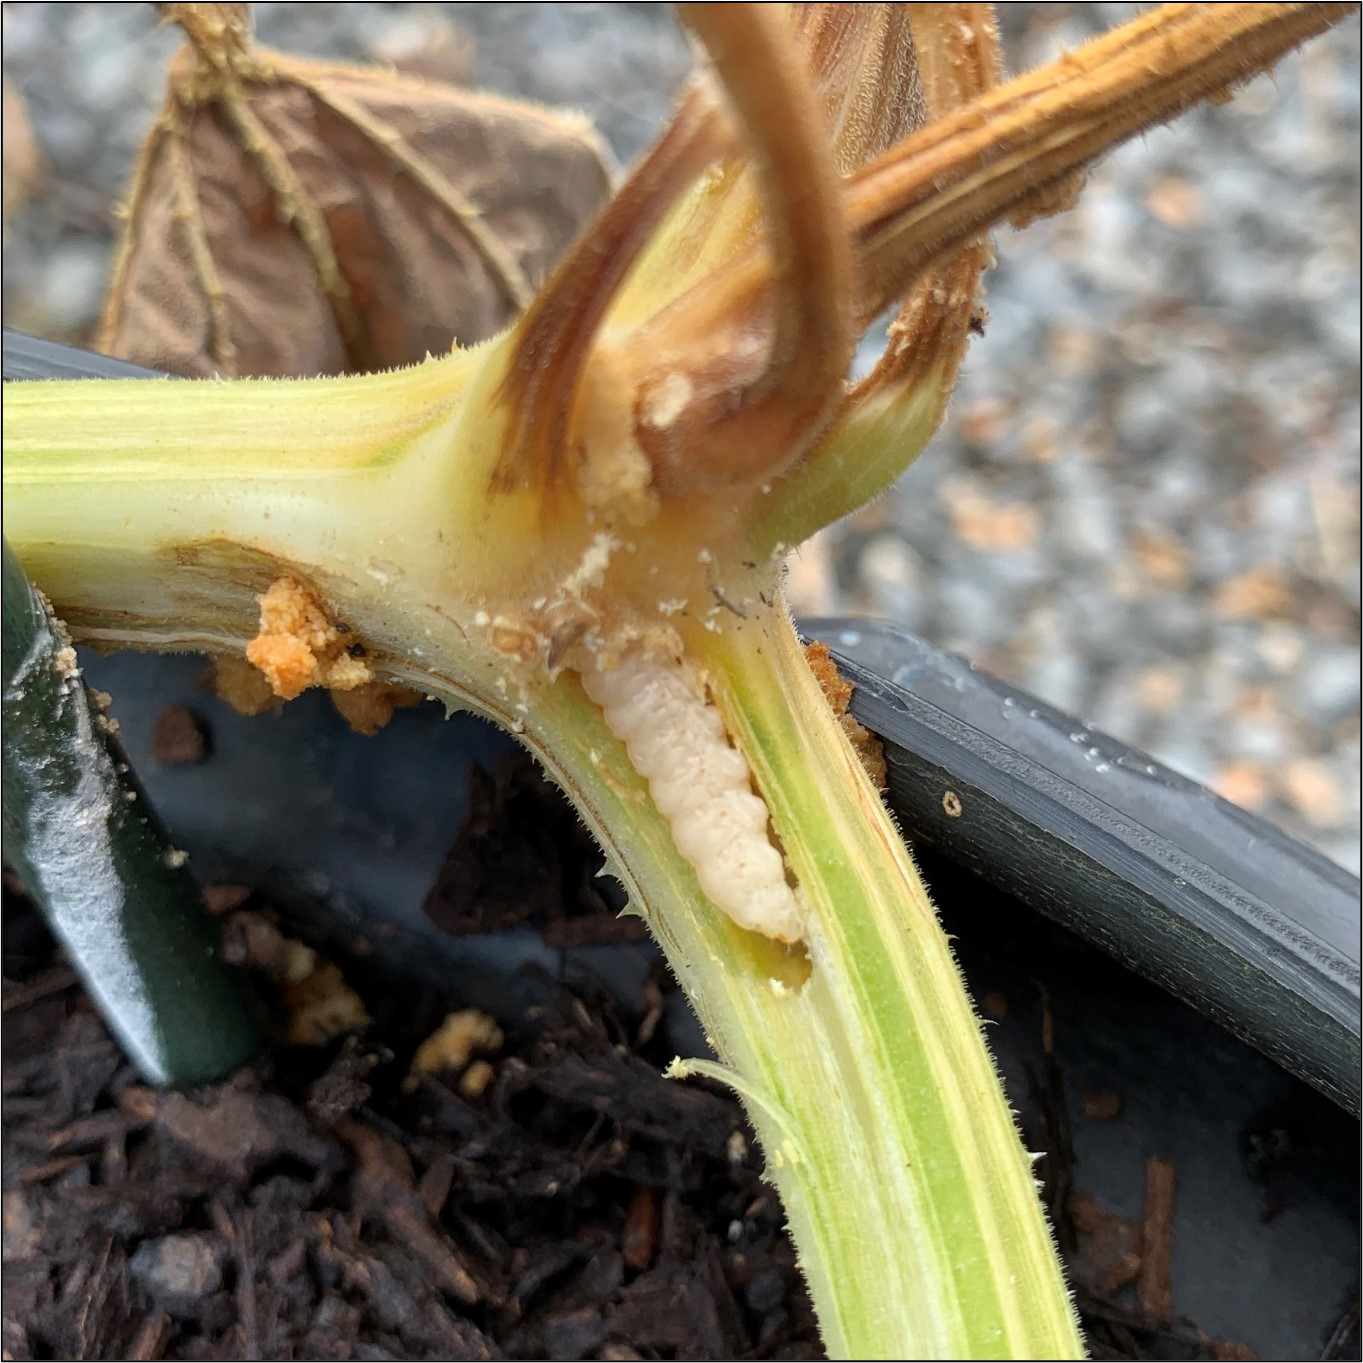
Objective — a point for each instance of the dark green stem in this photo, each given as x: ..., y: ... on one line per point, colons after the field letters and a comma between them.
x: 80, y: 832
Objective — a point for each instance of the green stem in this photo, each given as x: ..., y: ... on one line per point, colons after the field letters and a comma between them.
x: 89, y: 848
x: 863, y: 1068
x: 867, y: 447
x: 859, y: 1057
x: 120, y: 494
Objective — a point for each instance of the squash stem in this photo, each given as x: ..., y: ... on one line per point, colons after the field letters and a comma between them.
x: 860, y: 1060
x: 858, y: 1056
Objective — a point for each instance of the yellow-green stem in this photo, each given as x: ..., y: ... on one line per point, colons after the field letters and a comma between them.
x: 859, y: 1058
x: 909, y: 1194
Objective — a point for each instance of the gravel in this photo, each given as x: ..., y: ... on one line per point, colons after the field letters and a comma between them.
x: 1144, y: 503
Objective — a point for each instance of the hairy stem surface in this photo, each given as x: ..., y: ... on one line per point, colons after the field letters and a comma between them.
x: 856, y: 1053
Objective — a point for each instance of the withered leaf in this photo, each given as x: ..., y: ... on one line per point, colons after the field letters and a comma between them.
x: 864, y: 61
x: 293, y: 218
x: 957, y: 59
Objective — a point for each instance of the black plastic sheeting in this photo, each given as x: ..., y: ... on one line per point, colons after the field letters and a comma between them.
x: 1222, y: 909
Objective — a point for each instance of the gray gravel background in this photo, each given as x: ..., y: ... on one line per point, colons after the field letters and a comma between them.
x: 1145, y: 503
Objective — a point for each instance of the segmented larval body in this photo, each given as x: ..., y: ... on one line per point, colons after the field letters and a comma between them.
x: 701, y: 784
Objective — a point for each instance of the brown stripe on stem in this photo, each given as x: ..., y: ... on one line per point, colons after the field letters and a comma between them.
x: 555, y: 336
x: 744, y: 409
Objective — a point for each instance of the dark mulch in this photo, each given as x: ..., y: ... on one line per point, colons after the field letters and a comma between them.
x: 523, y: 858
x: 318, y: 1206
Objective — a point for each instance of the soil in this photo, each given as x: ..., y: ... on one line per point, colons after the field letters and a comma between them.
x: 554, y: 1199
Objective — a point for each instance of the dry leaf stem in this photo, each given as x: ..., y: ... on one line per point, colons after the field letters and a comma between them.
x: 965, y: 171
x: 1011, y: 152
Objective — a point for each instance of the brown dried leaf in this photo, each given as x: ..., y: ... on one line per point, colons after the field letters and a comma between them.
x: 291, y: 218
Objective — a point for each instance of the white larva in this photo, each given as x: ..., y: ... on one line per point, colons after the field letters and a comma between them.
x: 701, y: 784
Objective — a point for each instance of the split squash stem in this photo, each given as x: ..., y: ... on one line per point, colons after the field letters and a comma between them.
x: 861, y: 1064
x: 153, y: 521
